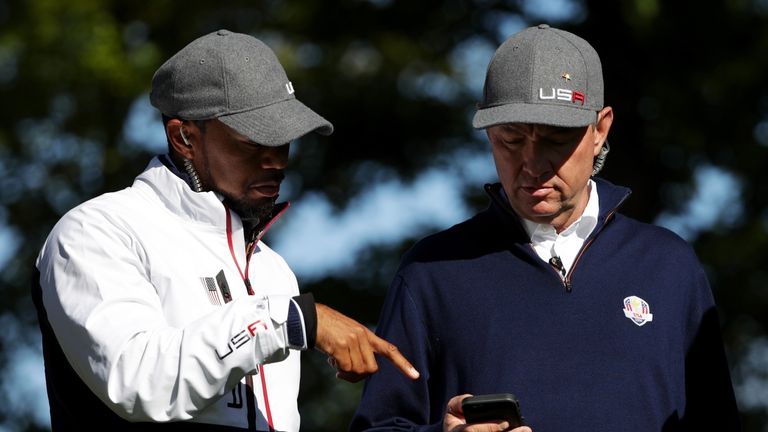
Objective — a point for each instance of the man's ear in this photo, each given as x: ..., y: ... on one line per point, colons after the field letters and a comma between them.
x: 179, y: 138
x: 603, y: 125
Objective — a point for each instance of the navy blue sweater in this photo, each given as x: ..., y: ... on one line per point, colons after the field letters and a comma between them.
x: 477, y: 311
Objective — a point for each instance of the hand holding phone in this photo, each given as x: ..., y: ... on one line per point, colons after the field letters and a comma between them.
x: 490, y: 407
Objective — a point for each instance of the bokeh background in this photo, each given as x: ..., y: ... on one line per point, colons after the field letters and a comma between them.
x: 399, y: 79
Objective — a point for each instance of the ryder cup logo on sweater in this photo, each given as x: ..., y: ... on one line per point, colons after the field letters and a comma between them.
x: 637, y: 310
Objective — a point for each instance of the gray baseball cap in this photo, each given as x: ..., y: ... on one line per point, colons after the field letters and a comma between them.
x: 542, y: 75
x: 238, y: 80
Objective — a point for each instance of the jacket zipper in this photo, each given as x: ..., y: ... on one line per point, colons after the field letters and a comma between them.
x: 249, y: 248
x: 557, y: 263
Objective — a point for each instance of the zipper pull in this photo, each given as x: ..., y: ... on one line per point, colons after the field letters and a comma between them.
x: 248, y: 286
x: 557, y: 263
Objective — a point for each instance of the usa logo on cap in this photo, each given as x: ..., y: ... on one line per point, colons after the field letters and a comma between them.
x: 637, y: 310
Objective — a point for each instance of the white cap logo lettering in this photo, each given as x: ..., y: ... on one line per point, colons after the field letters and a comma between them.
x: 572, y: 96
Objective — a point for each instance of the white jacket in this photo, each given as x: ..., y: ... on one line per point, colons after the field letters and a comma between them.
x: 129, y: 285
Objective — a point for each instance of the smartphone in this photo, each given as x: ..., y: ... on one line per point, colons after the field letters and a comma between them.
x: 500, y: 406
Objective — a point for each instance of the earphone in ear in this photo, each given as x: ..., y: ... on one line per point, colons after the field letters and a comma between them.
x: 600, y: 158
x: 184, y: 137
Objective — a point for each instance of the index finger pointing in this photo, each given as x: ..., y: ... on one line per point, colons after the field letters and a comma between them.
x: 388, y: 350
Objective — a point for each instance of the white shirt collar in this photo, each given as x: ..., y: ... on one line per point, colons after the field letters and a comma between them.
x: 548, y: 243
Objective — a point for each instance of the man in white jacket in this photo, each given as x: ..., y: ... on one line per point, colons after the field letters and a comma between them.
x: 159, y: 305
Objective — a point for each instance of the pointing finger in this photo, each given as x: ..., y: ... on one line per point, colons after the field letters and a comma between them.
x: 391, y: 352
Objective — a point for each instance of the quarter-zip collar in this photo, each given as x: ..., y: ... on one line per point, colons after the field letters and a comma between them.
x: 253, y: 233
x: 549, y: 244
x: 176, y: 196
x: 206, y: 208
x: 611, y: 197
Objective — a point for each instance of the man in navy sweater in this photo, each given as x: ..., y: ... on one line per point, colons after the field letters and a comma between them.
x: 593, y: 320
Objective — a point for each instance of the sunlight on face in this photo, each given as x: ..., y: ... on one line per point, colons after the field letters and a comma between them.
x: 247, y: 174
x: 544, y: 169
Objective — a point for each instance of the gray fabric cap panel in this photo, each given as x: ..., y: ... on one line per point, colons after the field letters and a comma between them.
x: 238, y: 79
x: 545, y: 76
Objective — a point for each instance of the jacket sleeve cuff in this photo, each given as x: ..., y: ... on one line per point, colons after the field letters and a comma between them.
x: 302, y: 322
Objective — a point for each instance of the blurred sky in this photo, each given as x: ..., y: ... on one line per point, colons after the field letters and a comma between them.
x: 374, y: 218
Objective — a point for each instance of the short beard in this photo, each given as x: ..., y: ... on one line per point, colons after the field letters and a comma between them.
x: 252, y: 213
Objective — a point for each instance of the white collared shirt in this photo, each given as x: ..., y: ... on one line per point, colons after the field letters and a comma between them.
x: 548, y: 243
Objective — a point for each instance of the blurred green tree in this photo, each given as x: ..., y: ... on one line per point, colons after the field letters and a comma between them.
x: 686, y: 82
